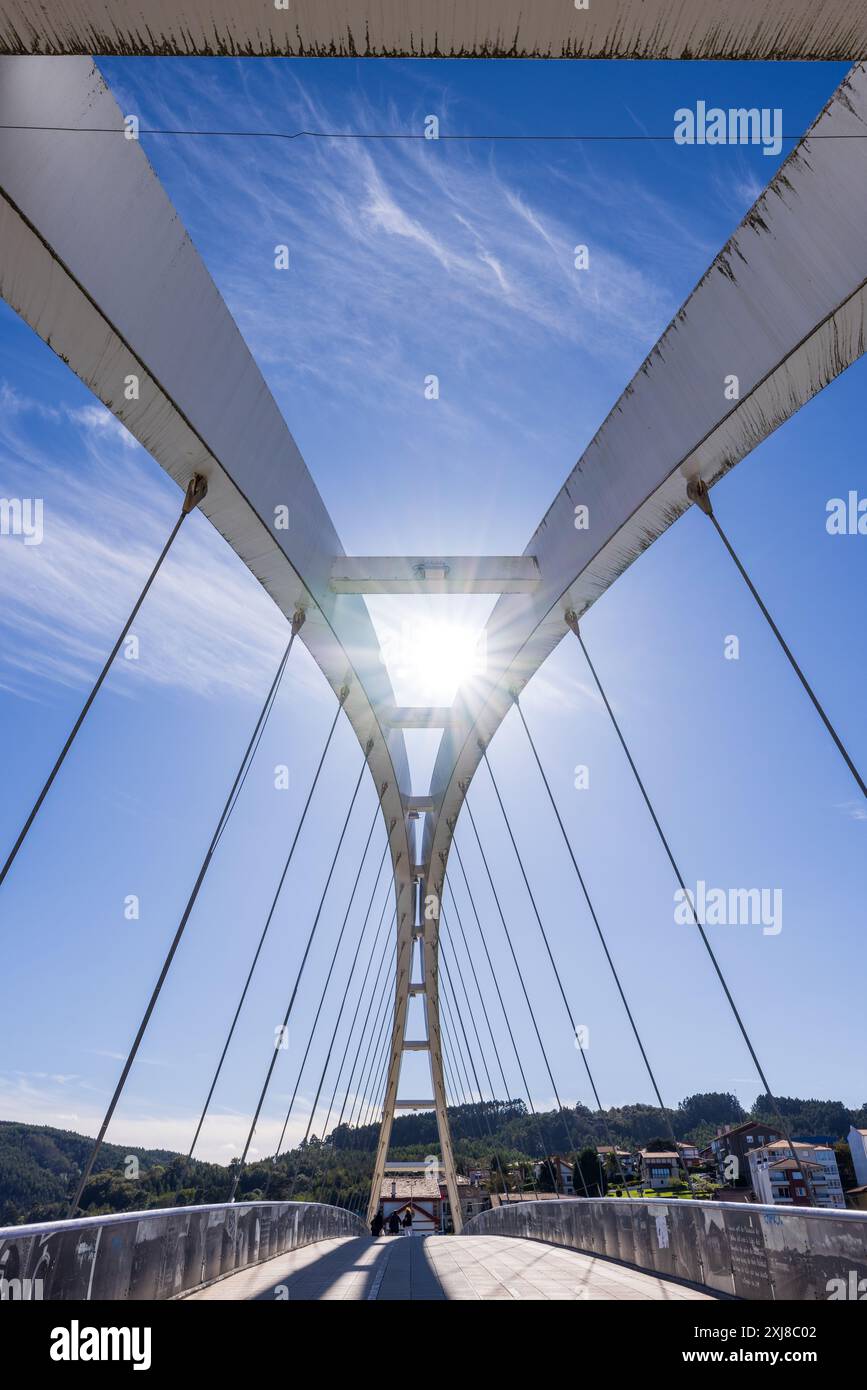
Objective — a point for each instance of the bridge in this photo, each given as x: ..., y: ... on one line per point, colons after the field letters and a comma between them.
x: 203, y: 411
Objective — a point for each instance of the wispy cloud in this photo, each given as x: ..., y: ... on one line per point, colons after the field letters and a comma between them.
x: 68, y: 1102
x: 399, y: 251
x: 207, y: 624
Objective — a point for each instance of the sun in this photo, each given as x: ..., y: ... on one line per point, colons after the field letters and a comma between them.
x: 437, y: 657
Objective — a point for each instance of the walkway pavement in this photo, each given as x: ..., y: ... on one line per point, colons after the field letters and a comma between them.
x: 442, y: 1267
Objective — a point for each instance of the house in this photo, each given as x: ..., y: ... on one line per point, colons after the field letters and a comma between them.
x: 420, y: 1190
x: 690, y: 1154
x: 417, y: 1191
x: 472, y: 1198
x: 730, y: 1150
x: 857, y: 1140
x: 562, y: 1170
x: 778, y: 1178
x: 659, y: 1170
x: 617, y: 1161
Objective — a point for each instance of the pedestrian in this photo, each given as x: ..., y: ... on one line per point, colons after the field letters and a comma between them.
x: 394, y: 1223
x: 407, y: 1222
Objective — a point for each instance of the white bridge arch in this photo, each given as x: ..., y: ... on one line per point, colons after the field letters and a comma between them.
x: 784, y: 301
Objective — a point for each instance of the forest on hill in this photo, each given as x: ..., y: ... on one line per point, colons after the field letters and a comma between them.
x: 39, y: 1166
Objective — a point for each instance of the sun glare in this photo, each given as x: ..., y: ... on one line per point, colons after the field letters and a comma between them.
x: 434, y: 658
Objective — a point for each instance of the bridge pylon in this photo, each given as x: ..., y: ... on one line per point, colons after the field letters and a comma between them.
x: 418, y: 923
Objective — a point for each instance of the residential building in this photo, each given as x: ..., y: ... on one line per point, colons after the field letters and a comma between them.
x: 857, y: 1140
x: 563, y: 1176
x: 617, y: 1161
x: 421, y: 1190
x: 730, y: 1150
x: 812, y: 1178
x: 659, y: 1170
x: 417, y: 1191
x: 690, y: 1154
x: 472, y: 1198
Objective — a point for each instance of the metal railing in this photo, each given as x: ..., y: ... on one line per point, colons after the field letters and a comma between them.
x: 738, y: 1249
x: 160, y: 1254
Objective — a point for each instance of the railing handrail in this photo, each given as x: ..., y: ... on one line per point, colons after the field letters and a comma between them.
x: 80, y: 1222
x: 828, y: 1213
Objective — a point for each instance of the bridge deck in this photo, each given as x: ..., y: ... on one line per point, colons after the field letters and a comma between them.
x: 442, y: 1267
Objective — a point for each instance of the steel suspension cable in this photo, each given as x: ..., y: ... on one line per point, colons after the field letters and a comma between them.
x: 543, y: 1146
x: 380, y: 1086
x: 388, y: 1017
x: 383, y: 996
x: 557, y: 976
x: 451, y: 1048
x: 482, y: 1056
x: 459, y: 1090
x: 506, y: 1087
x: 667, y: 1114
x: 449, y: 1072
x: 572, y: 622
x: 450, y: 1000
x: 374, y: 944
x: 351, y: 1029
x: 344, y: 692
x: 228, y: 808
x: 450, y: 1036
x: 382, y: 1077
x: 380, y: 1090
x: 460, y: 1066
x: 532, y: 1012
x: 380, y: 1053
x: 698, y: 492
x: 355, y: 958
x: 377, y: 1032
x: 196, y: 491
x: 282, y: 1031
x: 334, y: 958
x: 456, y: 1009
x: 387, y: 1032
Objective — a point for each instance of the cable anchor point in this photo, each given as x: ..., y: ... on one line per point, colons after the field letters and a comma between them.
x: 197, y: 491
x: 697, y: 492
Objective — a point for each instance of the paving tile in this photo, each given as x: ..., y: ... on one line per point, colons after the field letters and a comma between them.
x: 434, y: 1268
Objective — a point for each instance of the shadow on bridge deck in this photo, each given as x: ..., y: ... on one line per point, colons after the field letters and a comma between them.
x: 442, y: 1267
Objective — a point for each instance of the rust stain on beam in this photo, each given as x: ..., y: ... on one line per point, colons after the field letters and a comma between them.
x: 766, y: 30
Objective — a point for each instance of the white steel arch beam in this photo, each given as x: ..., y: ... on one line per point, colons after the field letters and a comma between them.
x: 784, y: 308
x: 735, y: 29
x: 118, y: 289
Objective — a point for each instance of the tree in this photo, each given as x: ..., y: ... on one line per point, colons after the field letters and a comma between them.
x: 588, y: 1167
x: 708, y: 1108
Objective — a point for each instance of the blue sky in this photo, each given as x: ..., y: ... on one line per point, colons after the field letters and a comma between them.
x: 409, y: 259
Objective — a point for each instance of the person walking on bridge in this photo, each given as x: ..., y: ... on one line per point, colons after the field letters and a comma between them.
x: 407, y: 1222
